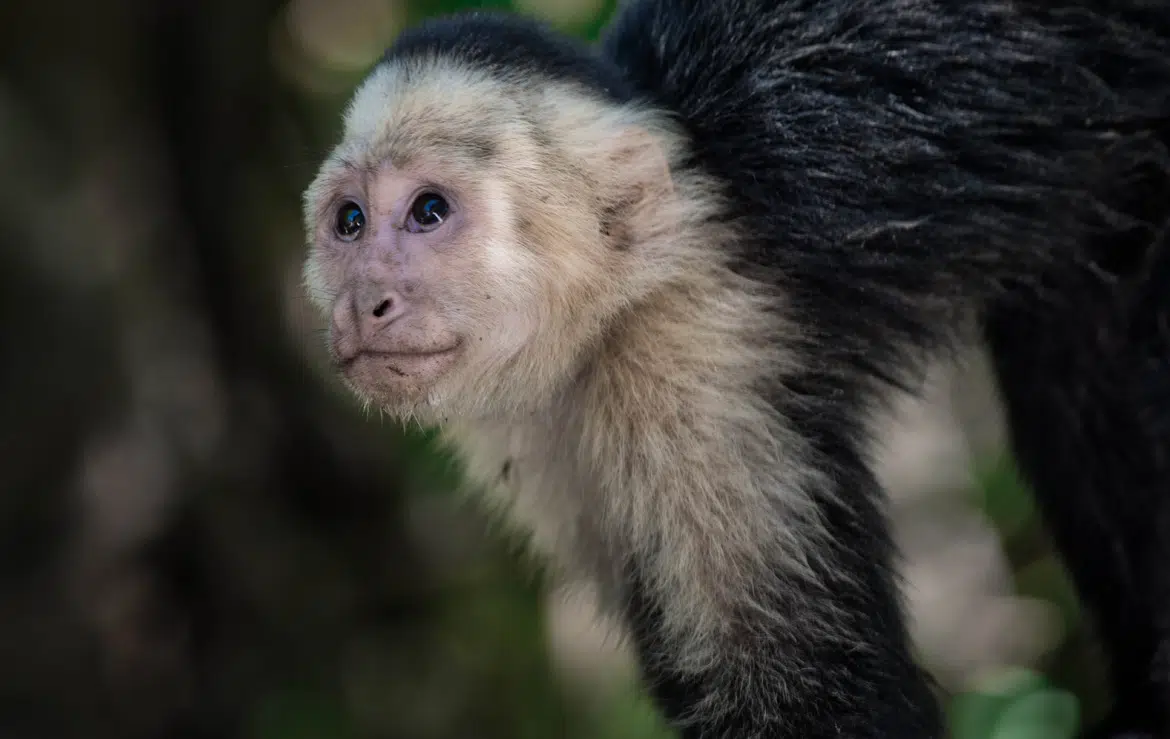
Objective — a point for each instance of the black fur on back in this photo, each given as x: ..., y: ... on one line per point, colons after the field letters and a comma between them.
x: 837, y: 124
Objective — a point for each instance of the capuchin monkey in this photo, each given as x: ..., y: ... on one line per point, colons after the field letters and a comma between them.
x: 659, y: 293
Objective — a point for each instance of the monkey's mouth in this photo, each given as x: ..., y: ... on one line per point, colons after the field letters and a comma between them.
x: 389, y: 370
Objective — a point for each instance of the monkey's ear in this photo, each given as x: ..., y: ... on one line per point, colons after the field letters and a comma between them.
x: 640, y: 182
x: 639, y: 162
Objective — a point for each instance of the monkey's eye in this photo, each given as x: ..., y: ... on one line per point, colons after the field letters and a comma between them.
x: 350, y: 221
x: 429, y: 211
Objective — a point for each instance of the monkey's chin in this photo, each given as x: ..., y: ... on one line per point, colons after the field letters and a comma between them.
x: 399, y: 383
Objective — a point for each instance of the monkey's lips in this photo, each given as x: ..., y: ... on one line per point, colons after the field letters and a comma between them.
x: 394, y: 372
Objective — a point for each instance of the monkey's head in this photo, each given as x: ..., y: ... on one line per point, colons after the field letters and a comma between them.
x: 483, y: 220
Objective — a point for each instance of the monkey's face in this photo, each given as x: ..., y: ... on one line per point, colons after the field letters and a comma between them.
x: 468, y: 252
x: 452, y: 292
x: 429, y: 295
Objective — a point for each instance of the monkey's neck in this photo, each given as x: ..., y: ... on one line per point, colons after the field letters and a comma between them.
x: 677, y: 408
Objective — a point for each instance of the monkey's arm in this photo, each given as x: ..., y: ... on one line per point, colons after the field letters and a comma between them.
x: 815, y: 653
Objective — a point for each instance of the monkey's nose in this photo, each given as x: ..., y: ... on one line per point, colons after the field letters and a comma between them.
x: 379, y: 310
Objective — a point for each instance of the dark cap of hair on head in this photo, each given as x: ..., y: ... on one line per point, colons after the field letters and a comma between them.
x: 511, y: 44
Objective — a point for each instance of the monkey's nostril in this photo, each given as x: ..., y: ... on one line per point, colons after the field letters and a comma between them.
x: 381, y: 308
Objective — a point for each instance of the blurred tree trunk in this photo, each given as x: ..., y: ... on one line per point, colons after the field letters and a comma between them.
x: 185, y: 511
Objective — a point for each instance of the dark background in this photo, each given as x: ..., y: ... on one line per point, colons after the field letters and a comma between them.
x: 201, y: 536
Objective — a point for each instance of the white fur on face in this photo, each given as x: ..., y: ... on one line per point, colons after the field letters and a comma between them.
x: 542, y: 279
